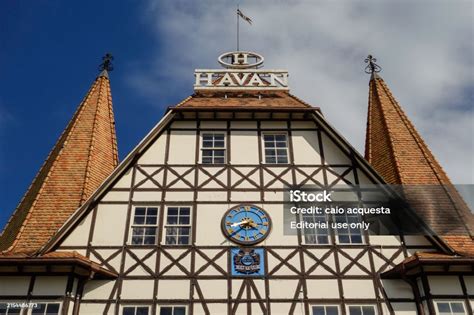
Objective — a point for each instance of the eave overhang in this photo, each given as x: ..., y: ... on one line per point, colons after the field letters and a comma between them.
x: 441, y: 264
x: 76, y: 265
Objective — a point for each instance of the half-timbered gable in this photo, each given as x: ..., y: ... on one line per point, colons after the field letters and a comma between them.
x: 193, y: 221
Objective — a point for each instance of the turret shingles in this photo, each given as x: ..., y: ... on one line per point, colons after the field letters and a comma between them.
x: 84, y: 155
x: 396, y: 150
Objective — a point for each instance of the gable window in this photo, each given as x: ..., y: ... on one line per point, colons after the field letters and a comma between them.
x: 325, y: 310
x: 144, y: 226
x: 213, y: 148
x: 349, y: 235
x: 362, y: 310
x: 315, y: 235
x: 46, y: 308
x: 451, y: 308
x: 276, y: 148
x: 178, y: 226
x: 135, y: 310
x: 172, y: 310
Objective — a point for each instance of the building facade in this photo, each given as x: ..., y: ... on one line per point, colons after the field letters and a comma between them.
x: 192, y: 220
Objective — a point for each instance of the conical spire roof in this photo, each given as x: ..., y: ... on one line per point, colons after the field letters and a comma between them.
x: 84, y: 155
x: 398, y: 153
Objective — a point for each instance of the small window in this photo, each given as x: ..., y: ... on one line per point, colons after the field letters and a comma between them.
x: 349, y: 235
x: 325, y: 310
x: 362, y: 310
x: 213, y: 148
x: 46, y: 308
x: 178, y: 226
x: 316, y: 235
x: 144, y: 226
x: 6, y: 309
x: 172, y: 310
x: 451, y: 308
x: 135, y: 310
x: 276, y: 149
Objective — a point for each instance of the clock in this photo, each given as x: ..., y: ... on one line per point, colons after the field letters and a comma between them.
x: 246, y: 224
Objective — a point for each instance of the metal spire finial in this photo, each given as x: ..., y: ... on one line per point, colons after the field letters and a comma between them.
x: 372, y: 67
x: 106, y: 63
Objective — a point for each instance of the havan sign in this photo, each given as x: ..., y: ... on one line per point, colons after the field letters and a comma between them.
x: 242, y: 73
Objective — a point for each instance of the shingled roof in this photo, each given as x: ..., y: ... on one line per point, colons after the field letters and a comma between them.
x: 84, y: 155
x: 263, y: 99
x: 398, y: 153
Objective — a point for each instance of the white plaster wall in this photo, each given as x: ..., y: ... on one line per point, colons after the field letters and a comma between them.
x: 97, y: 289
x: 322, y: 289
x: 14, y: 285
x: 444, y: 285
x: 469, y: 280
x: 155, y: 153
x: 110, y: 224
x: 244, y: 147
x: 137, y: 289
x: 397, y: 288
x: 306, y: 147
x: 274, y: 125
x: 173, y: 289
x: 243, y: 124
x: 95, y: 308
x: 182, y: 147
x: 80, y: 235
x: 332, y: 153
x: 50, y: 286
x: 358, y: 288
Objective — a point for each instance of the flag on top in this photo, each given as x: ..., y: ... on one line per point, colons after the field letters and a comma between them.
x: 246, y: 18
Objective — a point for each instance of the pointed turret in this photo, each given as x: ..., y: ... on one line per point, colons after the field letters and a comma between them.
x: 84, y: 155
x: 398, y: 153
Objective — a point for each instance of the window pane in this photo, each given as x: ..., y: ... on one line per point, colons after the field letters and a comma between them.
x: 142, y: 310
x: 138, y: 231
x: 354, y: 310
x: 207, y: 137
x: 444, y: 308
x: 331, y: 310
x: 457, y: 308
x: 219, y: 153
x: 152, y: 211
x: 283, y: 160
x: 219, y: 136
x: 184, y: 220
x: 39, y: 309
x: 184, y: 211
x: 139, y: 211
x: 206, y: 160
x: 281, y: 144
x: 318, y: 310
x: 166, y: 311
x: 179, y: 311
x: 149, y: 240
x: 151, y: 220
x: 139, y: 220
x: 137, y: 240
x: 270, y: 160
x: 172, y: 220
x: 368, y: 310
x: 207, y: 144
x: 268, y: 137
x: 171, y: 231
x: 280, y: 137
x: 171, y: 240
x: 219, y: 144
x: 219, y: 161
x: 183, y: 240
x: 52, y: 309
x: 173, y: 211
x: 184, y: 231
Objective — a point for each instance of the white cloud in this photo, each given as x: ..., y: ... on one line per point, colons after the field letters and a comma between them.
x: 425, y: 49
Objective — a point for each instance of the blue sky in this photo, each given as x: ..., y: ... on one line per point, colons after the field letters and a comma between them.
x: 50, y: 50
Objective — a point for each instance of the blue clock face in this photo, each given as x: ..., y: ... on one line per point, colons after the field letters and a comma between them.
x: 246, y: 224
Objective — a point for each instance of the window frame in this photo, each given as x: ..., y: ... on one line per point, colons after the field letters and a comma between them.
x: 135, y: 306
x: 336, y: 232
x: 173, y: 306
x: 361, y: 305
x: 325, y: 305
x: 166, y: 225
x: 449, y: 302
x: 213, y: 148
x: 287, y: 147
x: 329, y: 229
x: 132, y: 225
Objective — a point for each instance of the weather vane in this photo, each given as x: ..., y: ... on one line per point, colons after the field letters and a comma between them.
x: 107, y: 63
x: 372, y: 67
